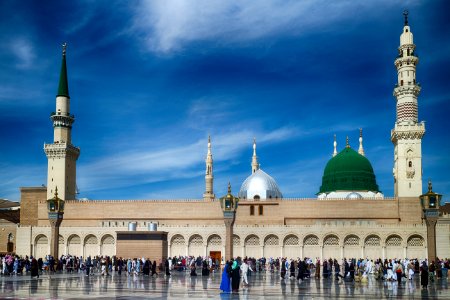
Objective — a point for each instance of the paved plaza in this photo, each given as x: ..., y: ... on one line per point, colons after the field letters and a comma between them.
x: 181, y: 285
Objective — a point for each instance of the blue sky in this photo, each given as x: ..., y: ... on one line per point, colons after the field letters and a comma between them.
x: 149, y: 80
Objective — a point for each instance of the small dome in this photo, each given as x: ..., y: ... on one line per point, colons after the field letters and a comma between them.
x: 259, y: 185
x: 354, y: 195
x: 348, y: 171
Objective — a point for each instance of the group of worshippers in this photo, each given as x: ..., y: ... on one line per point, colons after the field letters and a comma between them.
x: 231, y: 275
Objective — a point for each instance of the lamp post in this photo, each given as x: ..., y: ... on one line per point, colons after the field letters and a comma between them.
x: 229, y: 205
x: 430, y: 212
x: 55, y: 209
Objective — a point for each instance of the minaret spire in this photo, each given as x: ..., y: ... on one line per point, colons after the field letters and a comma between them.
x: 335, y: 146
x: 63, y: 87
x: 408, y: 131
x: 209, y: 176
x: 361, y: 149
x: 255, y: 164
x: 62, y: 154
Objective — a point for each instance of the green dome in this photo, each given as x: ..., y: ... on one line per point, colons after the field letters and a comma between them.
x: 348, y: 171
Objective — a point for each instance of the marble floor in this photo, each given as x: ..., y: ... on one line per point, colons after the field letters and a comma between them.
x: 181, y: 285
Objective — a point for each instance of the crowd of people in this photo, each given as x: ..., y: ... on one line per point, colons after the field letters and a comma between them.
x: 234, y: 271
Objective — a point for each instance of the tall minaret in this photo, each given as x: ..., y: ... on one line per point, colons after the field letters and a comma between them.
x: 408, y: 132
x: 61, y: 154
x: 255, y: 164
x: 209, y: 176
x: 361, y: 149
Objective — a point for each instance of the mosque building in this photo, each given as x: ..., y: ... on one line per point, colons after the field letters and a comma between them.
x: 350, y: 217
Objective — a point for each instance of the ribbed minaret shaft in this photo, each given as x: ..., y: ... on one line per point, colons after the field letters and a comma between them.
x: 361, y: 149
x: 61, y: 154
x: 209, y: 176
x: 335, y: 147
x: 408, y: 132
x: 255, y: 164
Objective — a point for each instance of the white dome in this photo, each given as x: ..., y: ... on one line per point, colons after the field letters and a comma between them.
x: 259, y: 185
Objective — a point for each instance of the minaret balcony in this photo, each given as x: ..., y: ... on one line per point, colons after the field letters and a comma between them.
x: 407, y: 90
x: 61, y: 150
x: 406, y: 60
x: 407, y: 131
x: 62, y: 120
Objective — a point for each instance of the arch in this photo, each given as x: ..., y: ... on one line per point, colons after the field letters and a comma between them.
x: 331, y: 246
x: 251, y: 240
x: 372, y: 240
x: 311, y: 240
x: 352, y: 247
x: 291, y: 240
x: 351, y: 240
x: 372, y: 246
x: 394, y: 246
x: 416, y: 240
x: 90, y: 239
x: 196, y: 247
x: 213, y: 244
x: 394, y: 240
x: 214, y: 240
x: 74, y: 246
x: 331, y: 240
x: 236, y: 240
x: 177, y: 245
x: 91, y: 246
x: 10, y: 243
x: 416, y: 247
x: 252, y: 246
x: 271, y: 246
x: 108, y: 245
x: 291, y: 246
x: 41, y: 246
x: 311, y: 246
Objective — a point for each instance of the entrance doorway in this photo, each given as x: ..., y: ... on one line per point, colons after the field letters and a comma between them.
x: 216, y: 257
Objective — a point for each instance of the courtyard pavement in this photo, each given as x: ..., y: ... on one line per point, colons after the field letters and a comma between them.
x: 181, y: 285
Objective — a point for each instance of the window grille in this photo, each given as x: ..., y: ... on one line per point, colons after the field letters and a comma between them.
x: 196, y: 241
x: 291, y: 240
x: 416, y: 241
x: 351, y: 241
x: 252, y: 241
x: 372, y: 241
x: 271, y: 241
x: 215, y: 240
x: 394, y: 241
x: 311, y: 240
x: 178, y: 240
x: 331, y: 241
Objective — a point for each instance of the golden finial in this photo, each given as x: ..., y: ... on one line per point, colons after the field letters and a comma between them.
x: 56, y: 193
x: 405, y: 13
x: 360, y: 132
x: 346, y: 142
x: 229, y: 188
x: 64, y: 48
x: 430, y: 186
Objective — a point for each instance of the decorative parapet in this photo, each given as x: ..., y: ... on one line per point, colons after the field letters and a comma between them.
x: 408, y: 131
x: 407, y: 89
x: 61, y: 150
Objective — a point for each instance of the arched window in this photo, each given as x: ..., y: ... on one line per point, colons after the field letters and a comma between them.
x: 410, y: 164
x: 261, y: 210
x: 252, y: 210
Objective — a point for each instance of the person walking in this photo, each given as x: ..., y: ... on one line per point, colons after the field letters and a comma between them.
x: 166, y: 266
x: 154, y: 268
x: 244, y: 269
x: 399, y: 272
x: 225, y: 281
x: 35, y: 268
x: 235, y: 277
x: 424, y: 275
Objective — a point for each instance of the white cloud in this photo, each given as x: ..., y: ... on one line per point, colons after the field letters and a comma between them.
x: 24, y: 52
x: 145, y: 165
x: 167, y: 25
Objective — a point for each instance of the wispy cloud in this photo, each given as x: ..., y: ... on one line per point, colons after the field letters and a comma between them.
x: 168, y: 25
x: 24, y: 53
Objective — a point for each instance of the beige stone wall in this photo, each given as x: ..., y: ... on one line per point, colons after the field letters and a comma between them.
x: 30, y: 197
x: 7, y: 233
